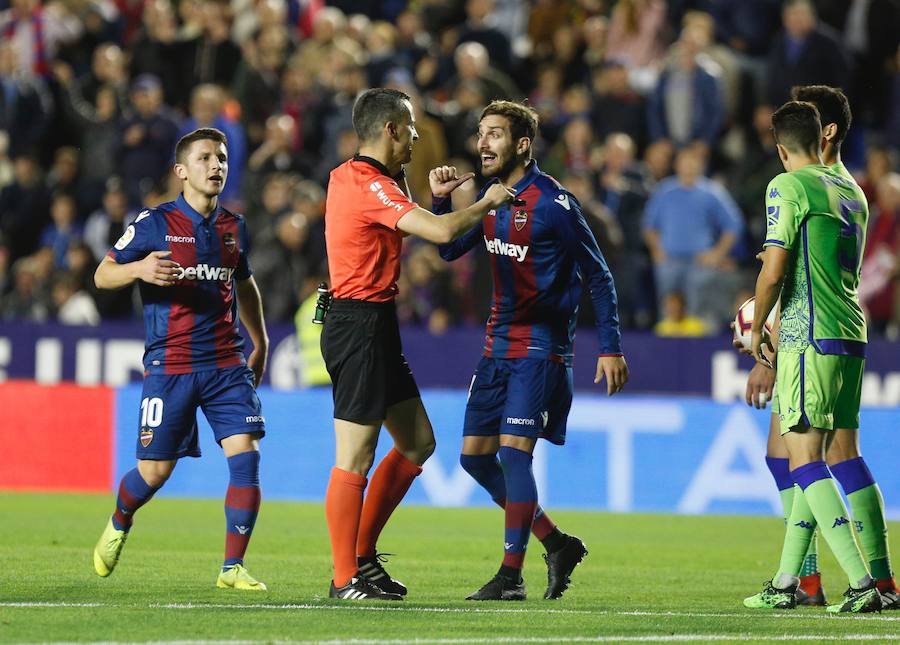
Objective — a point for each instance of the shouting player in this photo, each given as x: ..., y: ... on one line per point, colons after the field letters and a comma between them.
x: 190, y: 258
x: 366, y: 217
x: 843, y: 455
x: 816, y: 231
x: 541, y: 251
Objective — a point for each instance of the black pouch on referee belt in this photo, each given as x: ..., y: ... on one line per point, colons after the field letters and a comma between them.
x: 323, y: 303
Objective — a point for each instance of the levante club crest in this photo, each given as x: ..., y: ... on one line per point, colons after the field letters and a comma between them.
x: 228, y: 240
x: 520, y: 218
x: 146, y: 437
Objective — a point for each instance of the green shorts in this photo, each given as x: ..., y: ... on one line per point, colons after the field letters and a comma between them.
x: 818, y: 390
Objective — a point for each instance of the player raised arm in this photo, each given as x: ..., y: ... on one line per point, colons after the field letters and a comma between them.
x: 446, y: 228
x: 251, y: 313
x: 155, y: 268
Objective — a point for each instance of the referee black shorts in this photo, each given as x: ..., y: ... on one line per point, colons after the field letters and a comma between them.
x: 363, y: 355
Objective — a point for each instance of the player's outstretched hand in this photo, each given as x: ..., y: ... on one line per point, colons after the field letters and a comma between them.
x: 444, y: 180
x: 257, y: 364
x: 615, y: 370
x: 760, y: 385
x: 497, y: 194
x: 156, y: 269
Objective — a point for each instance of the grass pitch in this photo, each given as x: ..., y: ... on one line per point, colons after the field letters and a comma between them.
x: 657, y: 578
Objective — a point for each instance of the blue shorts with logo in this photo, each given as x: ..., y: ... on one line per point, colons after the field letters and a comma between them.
x: 527, y: 397
x: 167, y: 421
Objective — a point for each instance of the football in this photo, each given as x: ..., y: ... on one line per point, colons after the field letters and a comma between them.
x: 743, y: 321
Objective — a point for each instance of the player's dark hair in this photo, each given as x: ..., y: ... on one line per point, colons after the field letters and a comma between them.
x: 797, y: 127
x: 523, y: 120
x: 201, y: 134
x: 374, y: 108
x: 832, y: 105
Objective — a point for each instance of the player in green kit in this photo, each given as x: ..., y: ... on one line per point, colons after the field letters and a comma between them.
x: 843, y: 456
x: 816, y: 232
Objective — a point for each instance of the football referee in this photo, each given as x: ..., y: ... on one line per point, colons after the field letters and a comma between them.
x: 366, y: 216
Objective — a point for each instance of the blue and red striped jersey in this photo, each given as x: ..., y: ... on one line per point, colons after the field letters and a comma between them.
x: 192, y: 325
x: 541, y: 252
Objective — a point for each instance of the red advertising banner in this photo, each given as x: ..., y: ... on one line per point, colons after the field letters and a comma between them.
x: 56, y: 437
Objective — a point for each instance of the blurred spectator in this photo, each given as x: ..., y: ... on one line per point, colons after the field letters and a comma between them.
x: 623, y: 190
x: 24, y: 207
x: 545, y: 17
x: 594, y: 32
x: 691, y: 226
x: 878, y: 165
x: 871, y: 37
x: 426, y: 297
x: 675, y: 322
x: 108, y: 69
x: 275, y: 200
x: 211, y: 57
x: 804, y: 53
x: 73, y: 306
x: 380, y: 42
x: 461, y: 115
x: 105, y: 226
x: 720, y: 60
x: 25, y: 301
x: 637, y: 38
x: 658, y: 160
x: 158, y: 52
x: 279, y: 266
x: 413, y: 40
x: 36, y: 32
x: 477, y: 28
x: 566, y: 55
x: 615, y: 106
x: 746, y: 27
x: 572, y: 153
x: 147, y: 139
x: 207, y: 111
x: 881, y: 261
x: 257, y: 81
x: 276, y: 154
x: 686, y: 106
x: 25, y: 104
x: 302, y: 100
x: 757, y: 163
x: 308, y: 198
x: 63, y: 229
x: 473, y: 64
x: 6, y: 166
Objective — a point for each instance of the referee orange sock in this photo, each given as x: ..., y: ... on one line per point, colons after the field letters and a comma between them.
x: 391, y: 480
x: 343, y: 506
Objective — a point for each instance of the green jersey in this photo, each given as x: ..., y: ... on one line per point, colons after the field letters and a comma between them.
x: 819, y: 214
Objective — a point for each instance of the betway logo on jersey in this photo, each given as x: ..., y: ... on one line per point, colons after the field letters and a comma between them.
x: 375, y: 187
x: 499, y: 247
x: 206, y: 272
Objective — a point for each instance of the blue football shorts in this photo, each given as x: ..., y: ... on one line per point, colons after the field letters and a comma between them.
x: 167, y: 423
x: 527, y: 397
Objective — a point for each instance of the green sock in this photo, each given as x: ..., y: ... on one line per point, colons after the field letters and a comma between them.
x: 867, y: 506
x: 787, y: 501
x: 827, y: 506
x: 811, y: 560
x: 801, y: 526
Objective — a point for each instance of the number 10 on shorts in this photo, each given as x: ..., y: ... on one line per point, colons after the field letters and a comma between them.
x: 151, y: 412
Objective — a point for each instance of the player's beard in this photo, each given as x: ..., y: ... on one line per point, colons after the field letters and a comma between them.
x: 505, y: 170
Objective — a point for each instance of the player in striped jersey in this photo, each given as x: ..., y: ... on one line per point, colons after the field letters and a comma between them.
x: 189, y: 258
x: 541, y: 252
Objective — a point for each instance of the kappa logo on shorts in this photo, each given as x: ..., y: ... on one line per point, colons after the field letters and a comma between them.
x: 146, y: 437
x: 803, y: 524
x: 840, y: 521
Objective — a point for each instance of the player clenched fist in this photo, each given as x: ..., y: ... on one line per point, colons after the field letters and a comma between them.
x: 445, y: 179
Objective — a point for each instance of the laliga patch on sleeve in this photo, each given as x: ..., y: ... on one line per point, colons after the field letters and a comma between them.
x: 126, y: 238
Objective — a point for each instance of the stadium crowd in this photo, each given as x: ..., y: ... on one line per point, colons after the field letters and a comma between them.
x: 655, y: 114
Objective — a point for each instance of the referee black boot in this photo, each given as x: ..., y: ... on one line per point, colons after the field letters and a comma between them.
x: 373, y: 571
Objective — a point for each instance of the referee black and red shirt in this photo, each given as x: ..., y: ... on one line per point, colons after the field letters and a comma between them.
x: 361, y: 340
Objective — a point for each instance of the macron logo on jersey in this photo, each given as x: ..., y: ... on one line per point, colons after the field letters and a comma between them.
x: 184, y: 239
x: 499, y: 247
x: 206, y: 272
x: 376, y: 188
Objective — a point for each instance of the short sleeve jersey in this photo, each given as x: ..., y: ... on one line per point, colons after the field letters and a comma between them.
x: 820, y: 215
x: 362, y: 208
x: 193, y: 325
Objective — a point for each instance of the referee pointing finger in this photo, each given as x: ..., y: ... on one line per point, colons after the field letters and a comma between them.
x: 366, y: 215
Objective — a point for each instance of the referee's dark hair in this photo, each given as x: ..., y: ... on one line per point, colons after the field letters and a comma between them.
x: 202, y: 134
x: 523, y: 120
x: 796, y: 126
x: 374, y: 108
x: 832, y: 104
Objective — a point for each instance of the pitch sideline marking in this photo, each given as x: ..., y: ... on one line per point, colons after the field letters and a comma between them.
x: 455, y: 610
x: 673, y: 638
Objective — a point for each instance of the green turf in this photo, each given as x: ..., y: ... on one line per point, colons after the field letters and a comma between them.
x: 647, y: 576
